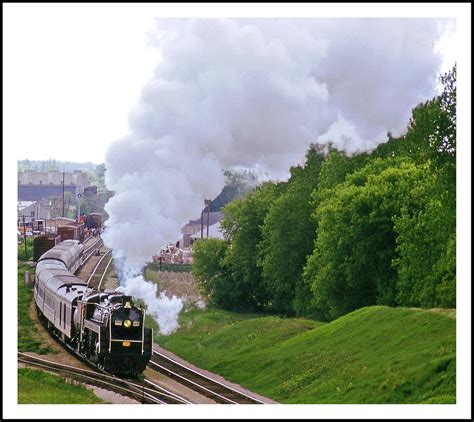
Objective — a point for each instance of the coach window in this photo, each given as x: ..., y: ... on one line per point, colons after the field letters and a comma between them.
x: 60, y: 313
x: 64, y: 315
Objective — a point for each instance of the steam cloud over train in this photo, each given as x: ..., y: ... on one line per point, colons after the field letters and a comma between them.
x: 105, y: 328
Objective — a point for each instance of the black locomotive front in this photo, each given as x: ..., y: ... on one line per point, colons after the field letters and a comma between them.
x: 114, y: 334
x: 130, y: 341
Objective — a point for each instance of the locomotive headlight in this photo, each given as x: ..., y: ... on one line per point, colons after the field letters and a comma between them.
x: 127, y: 323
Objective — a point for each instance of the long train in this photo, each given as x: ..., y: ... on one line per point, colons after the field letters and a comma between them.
x: 105, y: 328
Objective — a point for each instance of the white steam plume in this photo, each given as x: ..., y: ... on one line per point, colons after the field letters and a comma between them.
x: 255, y: 93
x: 165, y: 310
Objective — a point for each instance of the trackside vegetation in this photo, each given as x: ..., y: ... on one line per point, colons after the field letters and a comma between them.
x: 39, y: 387
x: 376, y: 354
x: 28, y: 338
x: 346, y: 232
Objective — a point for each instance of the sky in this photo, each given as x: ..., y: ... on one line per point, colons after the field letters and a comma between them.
x: 72, y: 73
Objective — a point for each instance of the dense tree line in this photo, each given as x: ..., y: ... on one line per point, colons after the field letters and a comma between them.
x: 346, y: 231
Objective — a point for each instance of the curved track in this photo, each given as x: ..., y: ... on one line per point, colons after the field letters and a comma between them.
x: 150, y: 391
x: 98, y: 273
x: 198, y: 382
x: 145, y: 391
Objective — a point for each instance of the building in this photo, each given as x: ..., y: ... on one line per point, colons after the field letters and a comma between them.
x: 215, y: 232
x: 194, y: 228
x: 39, y: 185
x: 33, y: 211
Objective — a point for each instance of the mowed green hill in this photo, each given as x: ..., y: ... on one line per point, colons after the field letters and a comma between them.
x: 373, y: 355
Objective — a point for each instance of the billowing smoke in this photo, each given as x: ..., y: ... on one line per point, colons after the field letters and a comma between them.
x: 254, y: 93
x: 164, y: 310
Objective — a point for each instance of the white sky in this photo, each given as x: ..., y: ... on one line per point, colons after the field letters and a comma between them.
x: 71, y: 74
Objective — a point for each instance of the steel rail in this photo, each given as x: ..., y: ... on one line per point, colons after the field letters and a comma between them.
x: 97, y: 266
x: 98, y: 379
x: 194, y: 385
x: 212, y: 381
x: 208, y: 391
x: 105, y: 272
x: 94, y: 245
x: 167, y: 392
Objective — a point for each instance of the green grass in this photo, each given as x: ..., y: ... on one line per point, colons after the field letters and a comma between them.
x: 22, y: 256
x: 373, y: 355
x: 38, y: 387
x: 28, y: 338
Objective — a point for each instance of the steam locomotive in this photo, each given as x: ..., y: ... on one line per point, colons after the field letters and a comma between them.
x: 105, y: 328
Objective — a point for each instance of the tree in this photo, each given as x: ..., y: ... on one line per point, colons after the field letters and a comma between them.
x: 211, y: 273
x: 49, y: 165
x: 288, y: 235
x: 426, y: 242
x: 351, y: 265
x: 242, y: 223
x: 427, y: 238
x: 90, y: 203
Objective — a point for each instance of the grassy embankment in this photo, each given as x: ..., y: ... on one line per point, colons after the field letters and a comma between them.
x: 28, y: 337
x: 36, y: 386
x: 373, y: 355
x: 39, y: 387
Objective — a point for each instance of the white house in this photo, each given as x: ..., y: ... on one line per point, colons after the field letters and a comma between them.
x: 33, y: 211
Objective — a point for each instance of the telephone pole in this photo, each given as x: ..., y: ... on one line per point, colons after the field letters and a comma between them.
x: 63, y: 194
x: 24, y: 233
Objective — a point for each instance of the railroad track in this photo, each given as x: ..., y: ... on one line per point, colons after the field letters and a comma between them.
x: 100, y: 270
x: 198, y: 382
x: 145, y: 391
x: 91, y: 249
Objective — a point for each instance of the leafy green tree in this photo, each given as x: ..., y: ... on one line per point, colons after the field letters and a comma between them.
x: 351, y: 265
x: 90, y: 203
x: 427, y: 238
x: 211, y: 273
x: 336, y: 166
x: 427, y: 251
x: 242, y: 223
x: 49, y: 165
x: 288, y: 237
x: 24, y: 165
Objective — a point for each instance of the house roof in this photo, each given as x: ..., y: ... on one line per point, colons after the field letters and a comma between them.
x: 24, y: 204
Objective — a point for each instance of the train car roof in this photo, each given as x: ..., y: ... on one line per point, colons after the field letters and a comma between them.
x: 63, y: 251
x: 49, y: 263
x: 47, y: 270
x: 68, y: 287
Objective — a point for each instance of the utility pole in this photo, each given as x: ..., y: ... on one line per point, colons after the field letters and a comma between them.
x: 208, y: 209
x: 24, y: 233
x: 63, y: 193
x: 202, y: 222
x: 208, y: 205
x: 79, y: 207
